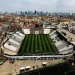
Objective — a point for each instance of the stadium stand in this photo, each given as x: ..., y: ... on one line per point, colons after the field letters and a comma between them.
x: 15, y: 39
x: 10, y: 47
x: 11, y: 40
x: 13, y: 43
x: 59, y: 69
x: 70, y: 73
x: 62, y: 45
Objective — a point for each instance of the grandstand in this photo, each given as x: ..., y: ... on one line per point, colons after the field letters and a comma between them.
x: 12, y: 45
x: 59, y: 69
x: 63, y: 46
x: 70, y: 72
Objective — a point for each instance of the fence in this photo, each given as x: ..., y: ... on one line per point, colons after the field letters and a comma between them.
x: 39, y: 57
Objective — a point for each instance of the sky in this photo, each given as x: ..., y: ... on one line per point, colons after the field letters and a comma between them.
x: 39, y: 5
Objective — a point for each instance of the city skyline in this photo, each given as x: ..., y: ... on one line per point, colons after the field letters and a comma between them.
x: 39, y: 5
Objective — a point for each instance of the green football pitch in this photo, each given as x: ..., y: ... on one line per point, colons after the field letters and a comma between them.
x: 37, y: 43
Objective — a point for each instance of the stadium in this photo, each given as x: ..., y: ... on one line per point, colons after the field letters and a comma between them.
x: 37, y: 43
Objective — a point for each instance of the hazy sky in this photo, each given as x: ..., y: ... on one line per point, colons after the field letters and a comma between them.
x: 40, y: 5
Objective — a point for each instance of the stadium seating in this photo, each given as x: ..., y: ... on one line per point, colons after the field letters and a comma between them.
x: 62, y: 46
x: 59, y: 69
x: 14, y: 41
x: 10, y: 47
